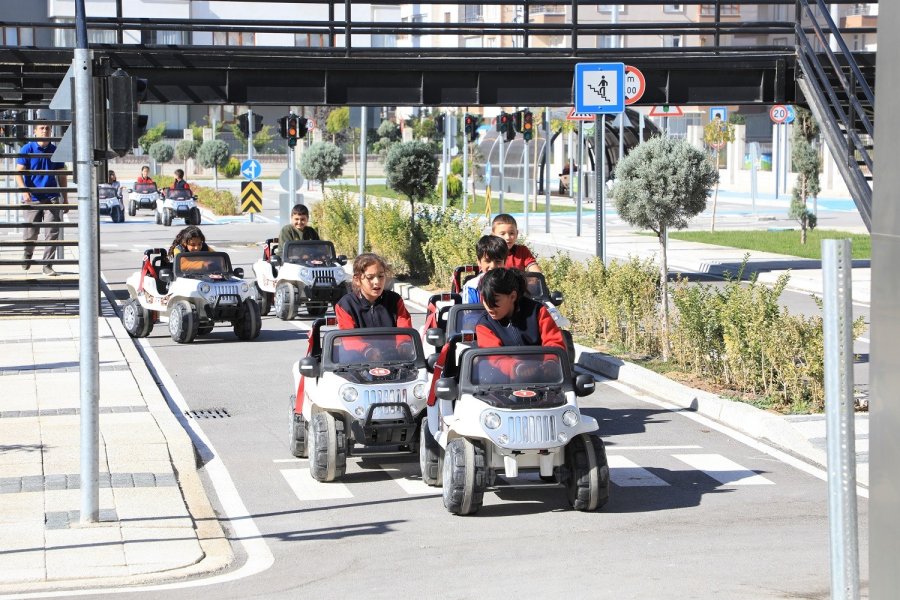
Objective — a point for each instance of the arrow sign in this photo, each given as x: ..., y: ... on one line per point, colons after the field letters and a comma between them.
x: 251, y: 169
x: 251, y: 196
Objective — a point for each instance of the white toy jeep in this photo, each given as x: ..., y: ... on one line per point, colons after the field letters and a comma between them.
x: 502, y: 414
x: 110, y: 203
x: 362, y: 387
x: 303, y: 273
x: 142, y: 196
x: 177, y: 204
x: 199, y: 290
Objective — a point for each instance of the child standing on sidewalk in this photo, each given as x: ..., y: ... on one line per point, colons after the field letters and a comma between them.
x: 519, y: 256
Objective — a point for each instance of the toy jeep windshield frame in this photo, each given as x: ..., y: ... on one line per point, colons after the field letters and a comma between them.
x: 386, y: 337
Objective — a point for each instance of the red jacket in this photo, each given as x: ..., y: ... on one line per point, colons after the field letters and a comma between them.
x: 519, y: 257
x: 530, y: 325
x: 354, y: 311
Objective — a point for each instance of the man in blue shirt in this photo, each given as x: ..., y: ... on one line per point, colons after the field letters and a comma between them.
x: 35, y: 173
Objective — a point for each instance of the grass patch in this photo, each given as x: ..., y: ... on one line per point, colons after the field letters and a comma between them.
x: 779, y: 242
x: 476, y: 206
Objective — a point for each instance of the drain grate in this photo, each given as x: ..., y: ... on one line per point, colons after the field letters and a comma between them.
x: 207, y: 413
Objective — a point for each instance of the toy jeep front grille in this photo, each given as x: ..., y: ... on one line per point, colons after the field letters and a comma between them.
x: 223, y: 289
x: 323, y: 278
x: 531, y: 429
x: 384, y: 395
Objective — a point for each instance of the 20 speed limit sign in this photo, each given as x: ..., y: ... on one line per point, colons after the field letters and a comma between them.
x: 634, y: 84
x: 778, y: 113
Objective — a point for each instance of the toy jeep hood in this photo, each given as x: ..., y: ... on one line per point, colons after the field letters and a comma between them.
x: 373, y: 374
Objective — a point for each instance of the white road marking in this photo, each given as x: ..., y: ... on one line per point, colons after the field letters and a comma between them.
x: 413, y: 487
x: 626, y: 473
x: 288, y: 460
x: 306, y: 488
x: 723, y: 469
x: 624, y: 448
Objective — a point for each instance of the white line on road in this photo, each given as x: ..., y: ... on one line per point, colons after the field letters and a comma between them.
x: 624, y: 448
x: 414, y: 487
x: 626, y: 473
x: 723, y: 470
x: 288, y: 460
x: 306, y: 488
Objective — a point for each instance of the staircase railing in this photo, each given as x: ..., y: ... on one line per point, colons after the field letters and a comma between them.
x: 843, y: 106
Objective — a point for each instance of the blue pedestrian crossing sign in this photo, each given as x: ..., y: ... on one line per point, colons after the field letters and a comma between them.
x: 599, y: 88
x: 251, y: 169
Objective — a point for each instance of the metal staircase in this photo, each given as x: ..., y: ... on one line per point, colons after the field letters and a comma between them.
x: 840, y: 94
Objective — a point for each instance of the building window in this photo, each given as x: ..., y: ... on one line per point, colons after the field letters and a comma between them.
x: 608, y: 8
x: 234, y: 38
x: 16, y: 36
x: 672, y: 41
x: 725, y: 10
x: 779, y: 41
x: 311, y: 40
x: 540, y: 9
x: 165, y: 38
x: 474, y: 13
x: 673, y: 8
x: 65, y: 38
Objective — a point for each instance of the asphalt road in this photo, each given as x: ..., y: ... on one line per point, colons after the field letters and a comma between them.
x: 695, y: 512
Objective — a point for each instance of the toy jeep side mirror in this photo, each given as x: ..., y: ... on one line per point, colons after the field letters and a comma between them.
x: 166, y: 275
x: 309, y: 367
x: 238, y: 272
x: 446, y: 389
x: 584, y: 385
x: 341, y: 259
x: 430, y: 362
x: 556, y: 298
x: 435, y: 336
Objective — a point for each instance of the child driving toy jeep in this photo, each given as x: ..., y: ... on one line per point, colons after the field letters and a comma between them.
x: 491, y: 252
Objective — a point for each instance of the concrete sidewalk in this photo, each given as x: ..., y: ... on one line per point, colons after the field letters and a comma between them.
x: 156, y: 522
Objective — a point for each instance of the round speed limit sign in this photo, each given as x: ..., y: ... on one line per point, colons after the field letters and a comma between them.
x: 778, y: 113
x: 634, y: 84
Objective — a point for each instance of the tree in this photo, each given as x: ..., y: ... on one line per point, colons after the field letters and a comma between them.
x: 424, y: 128
x: 661, y: 184
x: 261, y: 138
x: 161, y: 152
x: 338, y: 122
x: 412, y: 169
x: 152, y: 135
x: 186, y: 149
x: 807, y: 164
x: 213, y: 154
x: 716, y: 134
x: 322, y: 161
x: 389, y: 130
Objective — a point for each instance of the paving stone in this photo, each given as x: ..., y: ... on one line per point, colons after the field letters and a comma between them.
x: 122, y: 480
x: 33, y: 483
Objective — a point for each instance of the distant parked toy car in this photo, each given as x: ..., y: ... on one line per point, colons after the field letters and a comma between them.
x: 110, y: 202
x: 303, y: 273
x: 362, y: 387
x: 142, y: 196
x: 177, y: 204
x: 199, y: 290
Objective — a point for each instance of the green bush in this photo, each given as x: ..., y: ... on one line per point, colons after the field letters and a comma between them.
x: 447, y: 239
x: 232, y: 168
x: 186, y: 149
x: 336, y: 218
x: 220, y: 202
x: 388, y: 233
x: 213, y: 153
x: 454, y: 186
x: 161, y: 152
x: 456, y: 166
x: 322, y: 161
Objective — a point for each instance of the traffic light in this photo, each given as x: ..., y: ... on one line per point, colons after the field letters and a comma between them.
x: 527, y: 125
x: 293, y: 130
x: 471, y: 126
x: 503, y: 123
x: 517, y: 119
x: 244, y: 123
x: 439, y: 124
x: 124, y: 125
x: 283, y: 127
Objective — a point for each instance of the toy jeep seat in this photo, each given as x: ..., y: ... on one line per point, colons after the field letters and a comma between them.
x: 463, y: 317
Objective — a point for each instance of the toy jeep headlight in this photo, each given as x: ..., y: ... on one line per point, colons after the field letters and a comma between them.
x: 340, y: 275
x: 570, y: 418
x: 204, y: 288
x: 305, y: 274
x: 419, y: 391
x: 245, y: 288
x: 491, y: 420
x: 349, y: 394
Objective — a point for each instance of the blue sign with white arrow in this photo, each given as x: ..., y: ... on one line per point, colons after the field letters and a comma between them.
x: 251, y: 169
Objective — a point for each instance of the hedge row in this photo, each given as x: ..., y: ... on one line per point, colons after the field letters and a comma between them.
x: 220, y: 202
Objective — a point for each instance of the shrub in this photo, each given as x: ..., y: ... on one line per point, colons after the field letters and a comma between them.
x: 336, y: 218
x: 454, y: 186
x: 153, y: 135
x: 232, y: 168
x: 186, y: 149
x: 388, y: 233
x: 322, y: 161
x: 446, y: 239
x: 412, y: 170
x: 213, y: 153
x: 162, y: 152
x: 456, y: 166
x: 220, y: 202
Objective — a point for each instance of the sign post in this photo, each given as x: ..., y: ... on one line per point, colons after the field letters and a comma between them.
x: 600, y: 89
x: 778, y: 114
x: 251, y: 197
x: 250, y: 168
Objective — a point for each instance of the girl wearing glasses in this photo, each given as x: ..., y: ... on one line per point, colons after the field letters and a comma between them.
x: 369, y: 304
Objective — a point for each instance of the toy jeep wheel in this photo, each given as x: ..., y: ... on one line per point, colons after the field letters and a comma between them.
x: 183, y: 322
x: 588, y: 484
x: 167, y: 217
x: 464, y: 477
x: 248, y: 325
x: 195, y: 217
x: 115, y: 213
x: 132, y: 208
x: 286, y: 301
x: 264, y: 300
x: 328, y: 447
x: 158, y: 218
x: 316, y: 309
x: 431, y: 456
x: 137, y: 320
x: 298, y: 433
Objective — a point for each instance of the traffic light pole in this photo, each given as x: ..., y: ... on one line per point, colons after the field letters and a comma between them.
x: 575, y: 171
x: 465, y: 165
x: 250, y: 139
x: 525, y: 184
x: 363, y: 126
x: 89, y: 275
x: 502, y: 170
x: 444, y: 158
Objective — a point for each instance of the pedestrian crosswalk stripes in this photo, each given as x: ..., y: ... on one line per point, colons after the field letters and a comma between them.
x: 624, y: 472
x: 722, y: 469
